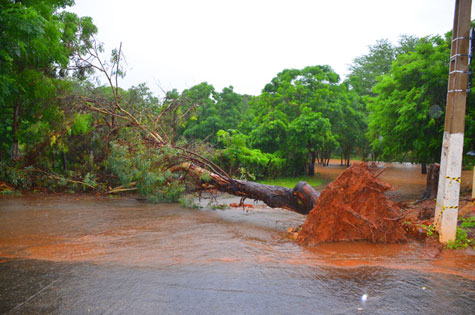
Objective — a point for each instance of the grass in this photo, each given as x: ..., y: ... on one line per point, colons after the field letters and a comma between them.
x: 290, y: 182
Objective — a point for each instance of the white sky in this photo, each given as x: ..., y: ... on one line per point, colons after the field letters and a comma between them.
x: 245, y: 43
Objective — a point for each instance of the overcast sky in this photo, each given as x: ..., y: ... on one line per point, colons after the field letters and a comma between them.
x: 179, y: 43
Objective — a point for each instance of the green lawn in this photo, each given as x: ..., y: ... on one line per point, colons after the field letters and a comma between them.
x: 290, y: 182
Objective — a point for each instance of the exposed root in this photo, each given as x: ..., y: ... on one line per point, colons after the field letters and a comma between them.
x: 354, y: 207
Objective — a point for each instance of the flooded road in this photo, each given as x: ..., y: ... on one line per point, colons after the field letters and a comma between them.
x: 406, y: 178
x: 88, y: 255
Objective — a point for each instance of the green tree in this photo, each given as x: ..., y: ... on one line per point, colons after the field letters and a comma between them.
x: 406, y: 117
x: 214, y: 111
x: 366, y: 70
x: 349, y: 125
x: 271, y: 133
x: 37, y: 42
x: 288, y: 100
x: 309, y: 134
x: 205, y: 122
x: 245, y: 162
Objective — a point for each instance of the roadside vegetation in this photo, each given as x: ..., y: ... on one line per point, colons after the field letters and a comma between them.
x: 290, y: 182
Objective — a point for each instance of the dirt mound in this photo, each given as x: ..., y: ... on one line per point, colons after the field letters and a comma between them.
x: 354, y: 207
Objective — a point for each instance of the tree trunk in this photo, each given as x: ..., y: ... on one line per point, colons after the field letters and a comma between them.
x: 301, y: 199
x: 347, y: 152
x: 432, y: 182
x: 311, y: 167
x: 423, y: 168
x: 15, y: 127
x: 65, y: 164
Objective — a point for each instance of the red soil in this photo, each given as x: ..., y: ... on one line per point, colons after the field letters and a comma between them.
x: 354, y: 207
x: 244, y: 205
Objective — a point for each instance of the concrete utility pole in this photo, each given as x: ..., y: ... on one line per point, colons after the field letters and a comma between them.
x: 446, y: 211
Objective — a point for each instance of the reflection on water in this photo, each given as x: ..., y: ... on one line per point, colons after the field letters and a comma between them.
x: 124, y: 256
x: 406, y: 178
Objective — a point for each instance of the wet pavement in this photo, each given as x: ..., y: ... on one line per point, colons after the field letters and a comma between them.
x: 41, y: 287
x: 71, y: 254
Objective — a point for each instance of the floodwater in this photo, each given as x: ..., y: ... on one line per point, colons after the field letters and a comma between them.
x: 406, y: 178
x: 71, y: 254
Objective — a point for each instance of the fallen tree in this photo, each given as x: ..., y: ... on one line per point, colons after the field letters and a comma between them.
x: 206, y: 175
x: 301, y: 199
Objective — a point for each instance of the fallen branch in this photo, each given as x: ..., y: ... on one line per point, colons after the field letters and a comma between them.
x: 120, y: 189
x: 379, y: 173
x: 61, y: 178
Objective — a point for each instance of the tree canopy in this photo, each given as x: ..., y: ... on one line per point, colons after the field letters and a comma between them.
x: 406, y: 113
x: 37, y: 44
x: 288, y: 105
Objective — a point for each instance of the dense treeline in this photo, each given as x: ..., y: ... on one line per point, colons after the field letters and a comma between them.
x: 391, y: 106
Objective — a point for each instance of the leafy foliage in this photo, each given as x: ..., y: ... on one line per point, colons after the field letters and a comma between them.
x: 144, y: 168
x: 14, y: 175
x: 37, y: 42
x: 468, y: 222
x: 214, y: 111
x: 81, y: 124
x: 406, y: 115
x: 302, y: 115
x: 461, y: 240
x: 248, y: 163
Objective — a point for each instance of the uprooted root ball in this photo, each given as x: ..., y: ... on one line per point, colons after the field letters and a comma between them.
x: 354, y: 207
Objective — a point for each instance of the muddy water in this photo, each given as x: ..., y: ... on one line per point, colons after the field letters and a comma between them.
x: 406, y: 178
x: 82, y: 255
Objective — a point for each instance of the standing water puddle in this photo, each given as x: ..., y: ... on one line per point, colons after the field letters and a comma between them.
x: 80, y: 255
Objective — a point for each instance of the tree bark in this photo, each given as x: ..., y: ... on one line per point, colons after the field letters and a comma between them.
x: 300, y: 199
x: 423, y: 168
x: 311, y: 167
x: 15, y: 127
x: 347, y: 153
x: 432, y: 182
x: 65, y: 163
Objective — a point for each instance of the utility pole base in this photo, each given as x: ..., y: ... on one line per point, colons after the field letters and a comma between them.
x: 449, y: 186
x: 448, y: 192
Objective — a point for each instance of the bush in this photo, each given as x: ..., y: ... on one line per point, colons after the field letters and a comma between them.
x: 147, y: 169
x: 248, y: 163
x: 14, y: 175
